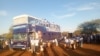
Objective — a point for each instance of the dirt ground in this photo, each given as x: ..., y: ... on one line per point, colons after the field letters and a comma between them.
x: 86, y: 50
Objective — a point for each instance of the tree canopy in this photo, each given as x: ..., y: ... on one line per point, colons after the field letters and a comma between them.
x: 90, y: 26
x: 64, y: 33
x: 8, y: 35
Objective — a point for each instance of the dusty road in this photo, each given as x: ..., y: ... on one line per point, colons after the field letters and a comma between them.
x: 87, y: 50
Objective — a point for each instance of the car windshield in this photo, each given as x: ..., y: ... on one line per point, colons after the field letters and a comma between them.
x: 19, y: 36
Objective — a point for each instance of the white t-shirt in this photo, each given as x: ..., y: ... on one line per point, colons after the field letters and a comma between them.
x: 77, y: 39
x: 32, y: 42
x: 71, y: 41
x: 56, y: 40
x: 66, y: 40
x: 35, y: 42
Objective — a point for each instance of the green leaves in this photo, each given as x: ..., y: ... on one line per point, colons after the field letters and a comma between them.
x: 90, y: 27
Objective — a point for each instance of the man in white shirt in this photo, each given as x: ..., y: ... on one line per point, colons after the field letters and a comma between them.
x: 81, y: 41
x: 77, y: 41
x: 67, y: 41
x: 32, y: 42
x: 38, y: 42
x: 56, y: 42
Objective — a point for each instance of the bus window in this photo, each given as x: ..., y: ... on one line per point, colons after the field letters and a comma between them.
x: 19, y: 37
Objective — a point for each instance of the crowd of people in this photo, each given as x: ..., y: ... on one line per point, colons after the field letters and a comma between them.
x: 75, y: 41
x: 91, y: 38
x: 38, y: 45
x: 71, y: 41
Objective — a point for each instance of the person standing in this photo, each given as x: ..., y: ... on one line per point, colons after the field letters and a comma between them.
x: 32, y: 42
x: 72, y: 43
x: 77, y: 41
x: 38, y: 42
x: 81, y: 41
x: 91, y: 38
x: 56, y: 42
x: 67, y: 41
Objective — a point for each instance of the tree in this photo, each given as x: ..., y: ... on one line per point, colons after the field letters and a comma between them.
x: 77, y: 32
x: 64, y: 33
x: 90, y: 26
x: 4, y: 35
x: 9, y: 34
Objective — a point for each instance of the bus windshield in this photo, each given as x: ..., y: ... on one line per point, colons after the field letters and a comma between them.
x: 19, y: 36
